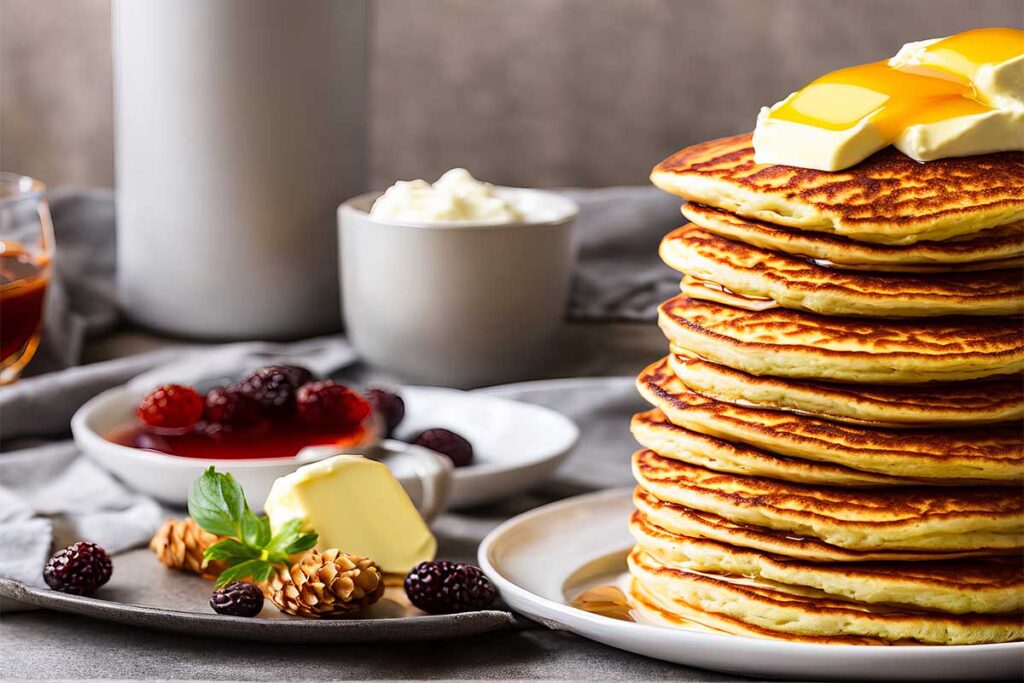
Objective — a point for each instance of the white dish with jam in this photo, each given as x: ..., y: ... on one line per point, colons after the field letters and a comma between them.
x: 517, y: 445
x: 541, y: 561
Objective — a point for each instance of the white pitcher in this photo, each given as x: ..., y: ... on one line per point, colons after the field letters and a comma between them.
x: 240, y: 126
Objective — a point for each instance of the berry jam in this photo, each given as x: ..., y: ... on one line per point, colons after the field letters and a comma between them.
x: 277, y: 439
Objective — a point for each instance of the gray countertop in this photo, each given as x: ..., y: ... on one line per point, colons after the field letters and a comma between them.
x: 44, y: 644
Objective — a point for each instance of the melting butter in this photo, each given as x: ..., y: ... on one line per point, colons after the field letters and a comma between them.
x: 955, y: 96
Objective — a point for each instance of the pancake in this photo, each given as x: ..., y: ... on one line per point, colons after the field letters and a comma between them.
x: 888, y: 198
x: 796, y: 283
x: 687, y: 521
x: 786, y: 343
x: 895, y: 518
x: 783, y: 610
x: 994, y: 454
x: 654, y: 431
x: 658, y: 609
x: 992, y: 585
x: 958, y: 403
x: 992, y: 249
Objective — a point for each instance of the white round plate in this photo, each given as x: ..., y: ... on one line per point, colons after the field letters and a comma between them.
x: 537, y: 558
x: 516, y: 445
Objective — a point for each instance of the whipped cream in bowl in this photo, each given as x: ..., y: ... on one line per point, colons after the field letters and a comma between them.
x: 458, y: 199
x: 456, y: 283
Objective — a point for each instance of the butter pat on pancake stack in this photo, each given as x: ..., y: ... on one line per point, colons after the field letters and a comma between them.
x: 834, y: 448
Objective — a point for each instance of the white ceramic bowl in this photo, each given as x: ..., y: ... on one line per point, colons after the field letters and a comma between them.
x: 459, y: 305
x: 425, y: 475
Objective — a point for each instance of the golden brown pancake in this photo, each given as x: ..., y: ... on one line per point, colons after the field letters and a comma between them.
x: 895, y: 405
x: 992, y: 249
x: 687, y: 521
x: 659, y: 609
x: 786, y: 611
x: 888, y: 198
x: 713, y: 262
x: 897, y: 518
x: 787, y: 343
x: 991, y: 453
x: 992, y: 585
x: 654, y: 431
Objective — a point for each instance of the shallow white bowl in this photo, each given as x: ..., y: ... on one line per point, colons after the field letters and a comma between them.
x: 425, y: 475
x: 517, y: 446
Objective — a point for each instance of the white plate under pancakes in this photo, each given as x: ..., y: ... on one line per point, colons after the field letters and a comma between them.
x: 541, y: 559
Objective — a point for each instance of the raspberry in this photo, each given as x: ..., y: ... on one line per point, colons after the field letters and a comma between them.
x: 171, y: 407
x: 271, y: 388
x: 79, y: 569
x: 228, y: 407
x: 389, y: 406
x: 327, y: 405
x: 446, y: 442
x: 444, y: 587
x: 238, y: 599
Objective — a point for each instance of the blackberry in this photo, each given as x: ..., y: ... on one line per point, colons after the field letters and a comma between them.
x: 297, y: 374
x: 444, y: 587
x: 446, y: 442
x: 388, y: 405
x: 238, y: 599
x: 328, y: 405
x: 79, y: 569
x: 271, y: 388
x: 228, y: 407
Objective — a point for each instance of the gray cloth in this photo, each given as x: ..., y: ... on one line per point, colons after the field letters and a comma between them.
x: 618, y: 275
x: 81, y: 299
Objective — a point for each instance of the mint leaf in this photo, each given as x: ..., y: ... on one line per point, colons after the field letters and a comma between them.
x: 288, y: 540
x: 255, y: 532
x: 217, y: 503
x: 249, y: 568
x: 230, y: 550
x: 302, y: 543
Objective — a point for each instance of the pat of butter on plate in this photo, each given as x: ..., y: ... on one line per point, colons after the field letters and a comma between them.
x: 357, y: 506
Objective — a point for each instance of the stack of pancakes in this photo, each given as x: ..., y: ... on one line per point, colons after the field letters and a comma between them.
x: 835, y: 451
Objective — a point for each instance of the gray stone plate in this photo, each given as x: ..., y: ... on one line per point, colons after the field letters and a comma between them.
x: 144, y: 593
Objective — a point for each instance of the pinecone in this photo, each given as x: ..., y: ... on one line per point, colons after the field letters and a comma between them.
x: 326, y: 585
x: 180, y: 543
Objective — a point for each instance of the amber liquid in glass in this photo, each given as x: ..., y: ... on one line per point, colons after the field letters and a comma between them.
x: 23, y: 280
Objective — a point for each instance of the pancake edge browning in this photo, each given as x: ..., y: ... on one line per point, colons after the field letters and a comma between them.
x: 798, y: 284
x: 780, y: 611
x: 924, y: 453
x: 873, y: 201
x: 905, y: 518
x: 992, y: 249
x: 997, y: 586
x: 679, y: 321
x: 686, y: 521
x: 657, y: 433
x: 899, y: 405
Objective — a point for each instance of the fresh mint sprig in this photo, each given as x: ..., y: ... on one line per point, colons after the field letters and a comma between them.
x: 218, y: 505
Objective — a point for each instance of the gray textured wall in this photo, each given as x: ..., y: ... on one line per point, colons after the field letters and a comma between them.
x: 531, y: 92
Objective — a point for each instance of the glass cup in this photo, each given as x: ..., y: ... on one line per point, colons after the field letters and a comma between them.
x: 26, y: 255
